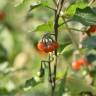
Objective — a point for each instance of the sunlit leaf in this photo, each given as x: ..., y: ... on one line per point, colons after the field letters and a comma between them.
x: 47, y: 27
x: 23, y: 4
x: 72, y: 8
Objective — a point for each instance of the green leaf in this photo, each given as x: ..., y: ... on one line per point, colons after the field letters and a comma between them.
x: 33, y: 82
x: 23, y: 4
x: 45, y: 3
x: 89, y: 42
x: 47, y: 27
x: 72, y: 8
x: 3, y: 54
x: 34, y: 5
x: 86, y: 16
x: 68, y: 50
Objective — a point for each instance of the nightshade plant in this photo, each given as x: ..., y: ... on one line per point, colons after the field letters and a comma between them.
x: 65, y: 14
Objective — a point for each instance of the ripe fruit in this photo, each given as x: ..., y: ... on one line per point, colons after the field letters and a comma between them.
x: 41, y: 46
x: 55, y: 44
x: 76, y: 65
x: 2, y: 16
x: 92, y: 29
x: 47, y: 47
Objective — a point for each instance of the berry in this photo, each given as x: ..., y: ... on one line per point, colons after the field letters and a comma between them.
x: 41, y: 46
x: 55, y: 45
x: 2, y: 16
x: 76, y: 65
x: 92, y: 29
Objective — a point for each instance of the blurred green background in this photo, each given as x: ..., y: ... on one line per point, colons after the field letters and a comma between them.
x: 19, y: 56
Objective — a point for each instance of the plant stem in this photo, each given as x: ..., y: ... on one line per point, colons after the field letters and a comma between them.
x: 50, y: 77
x: 56, y: 19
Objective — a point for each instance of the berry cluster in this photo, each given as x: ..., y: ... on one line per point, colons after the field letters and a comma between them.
x: 47, y: 45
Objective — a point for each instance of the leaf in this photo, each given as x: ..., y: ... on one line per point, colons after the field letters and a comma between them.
x: 86, y: 16
x: 68, y: 50
x: 3, y: 54
x: 91, y: 57
x: 72, y: 8
x: 44, y: 3
x: 23, y: 4
x: 35, y: 5
x: 89, y: 42
x: 47, y: 27
x: 76, y: 85
x: 32, y: 82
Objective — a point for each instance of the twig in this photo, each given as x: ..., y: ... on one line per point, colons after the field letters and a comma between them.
x: 50, y: 8
x: 64, y: 22
x: 56, y: 19
x: 76, y: 29
x: 49, y: 67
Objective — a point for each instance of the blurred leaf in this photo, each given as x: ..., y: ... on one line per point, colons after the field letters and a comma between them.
x: 89, y: 42
x: 45, y: 4
x: 3, y: 92
x: 38, y: 4
x: 23, y: 4
x: 68, y: 50
x: 48, y: 27
x: 3, y: 54
x: 77, y: 85
x: 72, y: 8
x: 17, y: 47
x: 30, y: 82
x: 86, y: 16
x: 33, y: 82
x: 33, y: 5
x: 91, y: 57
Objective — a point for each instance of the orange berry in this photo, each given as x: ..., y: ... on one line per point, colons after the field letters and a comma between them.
x: 41, y: 46
x: 76, y: 65
x: 92, y: 29
x: 2, y: 16
x: 50, y: 47
x: 46, y: 50
x: 55, y: 45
